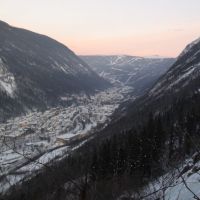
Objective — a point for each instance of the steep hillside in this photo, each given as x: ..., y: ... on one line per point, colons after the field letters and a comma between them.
x: 185, y: 73
x: 138, y: 72
x: 180, y: 83
x: 37, y: 71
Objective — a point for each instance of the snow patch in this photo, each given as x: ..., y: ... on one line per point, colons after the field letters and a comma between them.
x: 7, y: 80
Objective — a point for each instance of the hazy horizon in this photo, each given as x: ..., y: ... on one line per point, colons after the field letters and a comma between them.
x: 112, y: 27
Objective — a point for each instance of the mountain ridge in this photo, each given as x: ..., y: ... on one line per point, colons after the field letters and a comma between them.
x: 36, y: 71
x: 123, y: 70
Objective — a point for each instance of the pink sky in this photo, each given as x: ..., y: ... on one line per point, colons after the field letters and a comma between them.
x: 134, y: 27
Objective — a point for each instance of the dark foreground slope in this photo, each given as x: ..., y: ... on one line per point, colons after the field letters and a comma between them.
x: 36, y: 71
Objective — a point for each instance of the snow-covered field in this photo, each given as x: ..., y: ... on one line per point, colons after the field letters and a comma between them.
x: 27, y: 142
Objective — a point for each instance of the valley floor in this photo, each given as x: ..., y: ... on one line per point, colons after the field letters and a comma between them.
x: 29, y: 142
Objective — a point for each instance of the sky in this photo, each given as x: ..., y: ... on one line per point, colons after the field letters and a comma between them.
x: 91, y: 27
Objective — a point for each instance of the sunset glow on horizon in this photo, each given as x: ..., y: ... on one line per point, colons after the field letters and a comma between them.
x: 91, y: 27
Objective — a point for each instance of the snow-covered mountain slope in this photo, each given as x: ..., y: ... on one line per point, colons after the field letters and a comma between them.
x: 35, y: 71
x: 137, y: 72
x: 185, y: 73
x: 181, y: 183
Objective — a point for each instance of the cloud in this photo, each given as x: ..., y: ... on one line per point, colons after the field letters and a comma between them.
x: 176, y: 30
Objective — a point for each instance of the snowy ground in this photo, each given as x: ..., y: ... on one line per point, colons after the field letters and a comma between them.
x: 28, y: 142
x: 186, y: 184
x: 181, y: 183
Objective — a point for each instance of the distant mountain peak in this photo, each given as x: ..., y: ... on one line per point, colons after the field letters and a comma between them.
x: 189, y: 47
x: 3, y: 23
x: 156, y: 57
x: 133, y: 71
